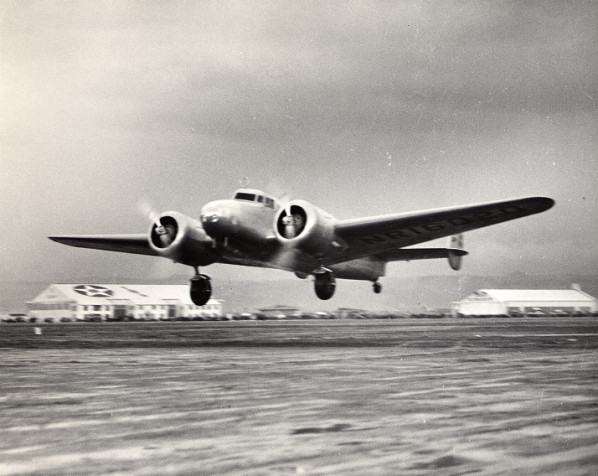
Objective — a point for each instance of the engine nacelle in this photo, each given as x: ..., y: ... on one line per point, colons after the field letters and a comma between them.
x: 181, y: 239
x: 305, y: 226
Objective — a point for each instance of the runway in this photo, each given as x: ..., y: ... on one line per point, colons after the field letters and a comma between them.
x: 407, y: 396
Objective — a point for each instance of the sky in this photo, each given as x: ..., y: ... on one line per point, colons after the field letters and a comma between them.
x: 360, y: 107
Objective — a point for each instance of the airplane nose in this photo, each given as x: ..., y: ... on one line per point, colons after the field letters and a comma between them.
x: 216, y: 220
x: 211, y: 217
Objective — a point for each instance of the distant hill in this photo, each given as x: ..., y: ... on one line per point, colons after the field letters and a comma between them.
x: 402, y: 294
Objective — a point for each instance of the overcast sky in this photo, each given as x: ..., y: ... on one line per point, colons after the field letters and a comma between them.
x: 360, y: 107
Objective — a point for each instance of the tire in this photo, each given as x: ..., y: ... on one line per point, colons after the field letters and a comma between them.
x: 200, y: 290
x: 325, y: 286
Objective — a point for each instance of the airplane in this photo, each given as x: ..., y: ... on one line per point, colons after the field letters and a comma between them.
x: 255, y: 229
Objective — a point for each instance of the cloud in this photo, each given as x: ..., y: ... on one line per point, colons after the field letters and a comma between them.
x: 422, y: 104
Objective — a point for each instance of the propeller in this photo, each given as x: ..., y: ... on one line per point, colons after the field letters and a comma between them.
x: 279, y: 189
x: 148, y: 211
x: 293, y: 223
x: 161, y: 268
x: 166, y: 233
x: 285, y: 257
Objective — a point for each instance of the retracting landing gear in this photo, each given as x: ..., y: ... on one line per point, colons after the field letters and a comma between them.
x: 201, y: 288
x: 325, y: 285
x: 377, y: 287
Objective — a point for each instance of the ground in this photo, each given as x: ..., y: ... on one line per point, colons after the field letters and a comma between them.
x: 412, y: 396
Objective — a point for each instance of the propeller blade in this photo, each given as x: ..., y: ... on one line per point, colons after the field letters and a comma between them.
x: 166, y: 234
x: 279, y: 188
x: 284, y: 199
x: 284, y: 257
x: 148, y: 211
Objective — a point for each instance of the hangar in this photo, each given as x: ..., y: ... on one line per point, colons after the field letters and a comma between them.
x: 526, y: 302
x: 102, y: 302
x: 278, y: 312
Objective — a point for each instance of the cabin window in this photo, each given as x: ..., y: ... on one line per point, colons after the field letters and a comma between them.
x: 245, y: 196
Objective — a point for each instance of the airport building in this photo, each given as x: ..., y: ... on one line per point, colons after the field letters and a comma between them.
x: 102, y: 302
x: 278, y: 312
x: 526, y: 302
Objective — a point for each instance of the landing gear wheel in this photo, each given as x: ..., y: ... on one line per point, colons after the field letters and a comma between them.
x: 325, y: 285
x: 201, y: 289
x: 377, y: 287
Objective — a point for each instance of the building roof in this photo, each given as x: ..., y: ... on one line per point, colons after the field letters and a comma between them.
x: 279, y: 307
x: 117, y: 293
x: 536, y: 295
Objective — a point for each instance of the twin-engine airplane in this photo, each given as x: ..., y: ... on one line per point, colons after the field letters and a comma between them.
x: 253, y: 229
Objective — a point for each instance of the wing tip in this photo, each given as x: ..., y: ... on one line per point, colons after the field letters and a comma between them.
x: 61, y: 238
x: 64, y: 240
x: 544, y: 203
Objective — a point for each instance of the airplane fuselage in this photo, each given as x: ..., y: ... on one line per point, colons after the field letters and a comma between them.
x: 243, y: 232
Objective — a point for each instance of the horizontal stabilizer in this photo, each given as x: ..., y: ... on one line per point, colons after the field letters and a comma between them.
x: 410, y: 254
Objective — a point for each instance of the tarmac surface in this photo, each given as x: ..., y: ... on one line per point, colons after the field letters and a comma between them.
x: 407, y: 396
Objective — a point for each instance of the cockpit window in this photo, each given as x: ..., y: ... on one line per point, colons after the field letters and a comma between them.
x: 260, y: 199
x: 269, y: 202
x: 245, y: 196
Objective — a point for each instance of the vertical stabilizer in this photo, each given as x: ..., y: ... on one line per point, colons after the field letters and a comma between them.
x: 455, y: 243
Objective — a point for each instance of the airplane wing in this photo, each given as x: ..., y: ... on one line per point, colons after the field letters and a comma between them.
x: 374, y: 235
x: 136, y: 244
